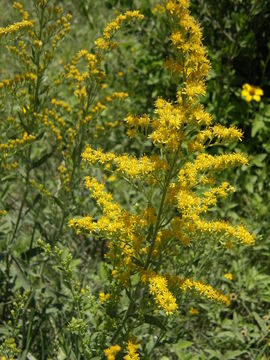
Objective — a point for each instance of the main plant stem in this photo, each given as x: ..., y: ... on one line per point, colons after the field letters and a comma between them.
x: 152, y: 246
x: 160, y: 211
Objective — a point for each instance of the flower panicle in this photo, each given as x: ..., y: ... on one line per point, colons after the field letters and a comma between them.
x: 16, y: 27
x: 105, y: 42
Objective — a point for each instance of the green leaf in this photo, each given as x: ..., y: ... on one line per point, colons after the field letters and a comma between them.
x: 267, y: 111
x: 58, y: 202
x: 216, y: 354
x: 149, y: 319
x: 182, y: 344
x: 265, y: 297
x: 233, y: 354
x: 257, y: 160
x: 42, y: 160
x: 103, y: 273
x: 257, y: 125
x: 260, y: 322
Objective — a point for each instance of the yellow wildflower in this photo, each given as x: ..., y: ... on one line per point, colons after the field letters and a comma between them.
x: 103, y: 297
x: 250, y: 92
x: 132, y: 352
x: 229, y: 276
x: 112, y: 351
x: 3, y: 212
x: 193, y: 311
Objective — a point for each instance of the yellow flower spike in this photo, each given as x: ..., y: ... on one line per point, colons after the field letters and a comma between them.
x: 250, y: 92
x: 163, y: 297
x: 106, y: 42
x: 13, y: 144
x: 239, y: 232
x: 132, y: 351
x: 204, y: 290
x: 125, y: 164
x: 16, y: 27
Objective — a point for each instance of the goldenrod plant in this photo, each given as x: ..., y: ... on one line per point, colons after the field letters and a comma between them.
x: 179, y: 185
x: 47, y: 115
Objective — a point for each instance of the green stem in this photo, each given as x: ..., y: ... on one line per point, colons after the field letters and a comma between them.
x: 127, y: 314
x: 148, y: 260
x: 9, y: 257
x: 22, y: 205
x: 160, y: 211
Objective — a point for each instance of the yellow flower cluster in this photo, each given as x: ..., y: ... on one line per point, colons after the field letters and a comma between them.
x: 110, y: 221
x: 19, y: 78
x: 50, y: 118
x: 204, y: 290
x: 85, y: 223
x: 132, y: 351
x: 18, y: 6
x: 188, y: 41
x: 61, y: 104
x: 159, y: 289
x: 124, y: 164
x: 3, y: 213
x: 238, y: 232
x: 135, y: 123
x: 189, y: 202
x: 20, y: 51
x: 168, y: 126
x: 65, y: 178
x: 81, y: 77
x: 100, y: 106
x: 16, y: 27
x: 119, y: 95
x: 41, y: 188
x: 112, y: 351
x: 91, y: 61
x: 106, y: 41
x: 188, y: 175
x: 63, y: 25
x: 9, y: 166
x: 216, y: 134
x: 104, y: 297
x: 13, y: 144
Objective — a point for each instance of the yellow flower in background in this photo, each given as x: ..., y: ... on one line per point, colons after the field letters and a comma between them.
x: 112, y: 351
x: 132, y: 352
x: 229, y: 276
x: 193, y: 311
x: 250, y: 92
x: 104, y: 297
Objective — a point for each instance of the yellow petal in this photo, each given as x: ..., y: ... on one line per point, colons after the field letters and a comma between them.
x: 256, y: 97
x: 248, y: 97
x: 246, y: 87
x: 259, y: 91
